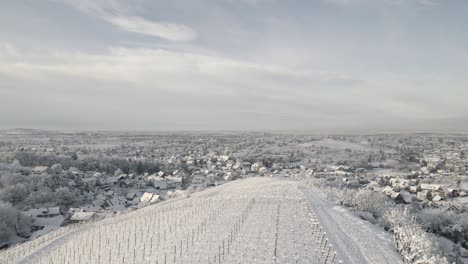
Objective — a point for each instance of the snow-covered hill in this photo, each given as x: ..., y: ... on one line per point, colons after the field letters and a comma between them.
x: 256, y: 220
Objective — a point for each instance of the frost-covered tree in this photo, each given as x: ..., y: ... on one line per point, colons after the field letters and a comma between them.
x: 14, y: 194
x: 56, y: 169
x: 411, y: 241
x: 23, y: 225
x: 7, y: 221
x: 65, y: 197
x: 370, y: 201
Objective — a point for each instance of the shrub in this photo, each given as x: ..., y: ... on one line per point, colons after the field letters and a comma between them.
x: 411, y: 241
x: 372, y: 202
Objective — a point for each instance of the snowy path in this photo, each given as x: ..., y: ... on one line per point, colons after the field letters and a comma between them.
x: 356, y: 241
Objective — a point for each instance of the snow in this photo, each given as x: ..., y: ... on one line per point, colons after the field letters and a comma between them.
x: 254, y: 220
x: 356, y: 240
x: 82, y: 216
x: 49, y: 221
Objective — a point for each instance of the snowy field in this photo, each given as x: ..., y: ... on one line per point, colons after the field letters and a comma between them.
x: 338, y: 144
x: 256, y: 220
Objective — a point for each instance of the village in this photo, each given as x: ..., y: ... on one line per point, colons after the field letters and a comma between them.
x: 128, y: 172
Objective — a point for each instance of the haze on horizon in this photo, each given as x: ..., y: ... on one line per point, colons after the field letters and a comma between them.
x: 322, y: 65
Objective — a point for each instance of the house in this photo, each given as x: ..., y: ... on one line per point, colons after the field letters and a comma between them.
x: 89, y: 181
x: 77, y: 172
x: 424, y: 195
x: 399, y: 197
x: 400, y: 183
x: 116, y: 203
x: 174, y: 182
x: 3, y: 244
x: 255, y: 167
x: 228, y: 177
x: 363, y: 180
x: 146, y: 197
x: 388, y: 190
x: 73, y: 210
x: 455, y: 208
x: 353, y: 183
x: 131, y: 196
x: 41, y: 222
x: 452, y: 192
x: 124, y: 182
x: 437, y: 198
x: 37, y: 212
x: 262, y: 170
x: 149, y: 198
x: 413, y: 189
x: 237, y: 166
x: 198, y: 180
x: 247, y: 166
x: 112, y: 180
x: 40, y: 169
x: 210, y: 180
x: 223, y: 158
x: 43, y: 212
x: 53, y: 211
x: 430, y: 187
x: 82, y: 216
x: 160, y: 184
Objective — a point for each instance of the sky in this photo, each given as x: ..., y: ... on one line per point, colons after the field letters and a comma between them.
x: 273, y: 65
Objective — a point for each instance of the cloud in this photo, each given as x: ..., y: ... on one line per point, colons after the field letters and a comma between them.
x: 341, y: 2
x: 7, y: 50
x: 428, y: 3
x: 169, y: 31
x: 180, y: 72
x: 119, y: 13
x: 147, y: 86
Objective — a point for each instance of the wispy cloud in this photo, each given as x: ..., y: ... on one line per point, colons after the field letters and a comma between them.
x: 265, y: 87
x: 119, y: 13
x: 182, y: 71
x: 169, y: 31
x: 8, y: 50
x: 429, y: 3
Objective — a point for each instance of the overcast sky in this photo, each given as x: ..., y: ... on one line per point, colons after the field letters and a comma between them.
x: 317, y: 65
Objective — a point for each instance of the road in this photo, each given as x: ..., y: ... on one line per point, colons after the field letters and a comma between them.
x: 356, y: 241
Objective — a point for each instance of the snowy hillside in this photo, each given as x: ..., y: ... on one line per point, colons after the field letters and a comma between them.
x: 256, y: 220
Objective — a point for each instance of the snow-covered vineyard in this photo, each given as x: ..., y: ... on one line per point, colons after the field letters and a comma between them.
x: 257, y: 220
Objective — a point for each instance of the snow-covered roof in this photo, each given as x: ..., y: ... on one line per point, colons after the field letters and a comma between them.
x: 49, y: 221
x: 146, y: 197
x: 82, y: 216
x: 53, y: 210
x: 174, y: 179
x: 34, y: 212
x: 89, y: 179
x: 40, y: 169
x: 130, y: 195
x: 432, y: 187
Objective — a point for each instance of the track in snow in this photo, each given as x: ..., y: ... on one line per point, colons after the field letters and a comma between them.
x: 357, y: 241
